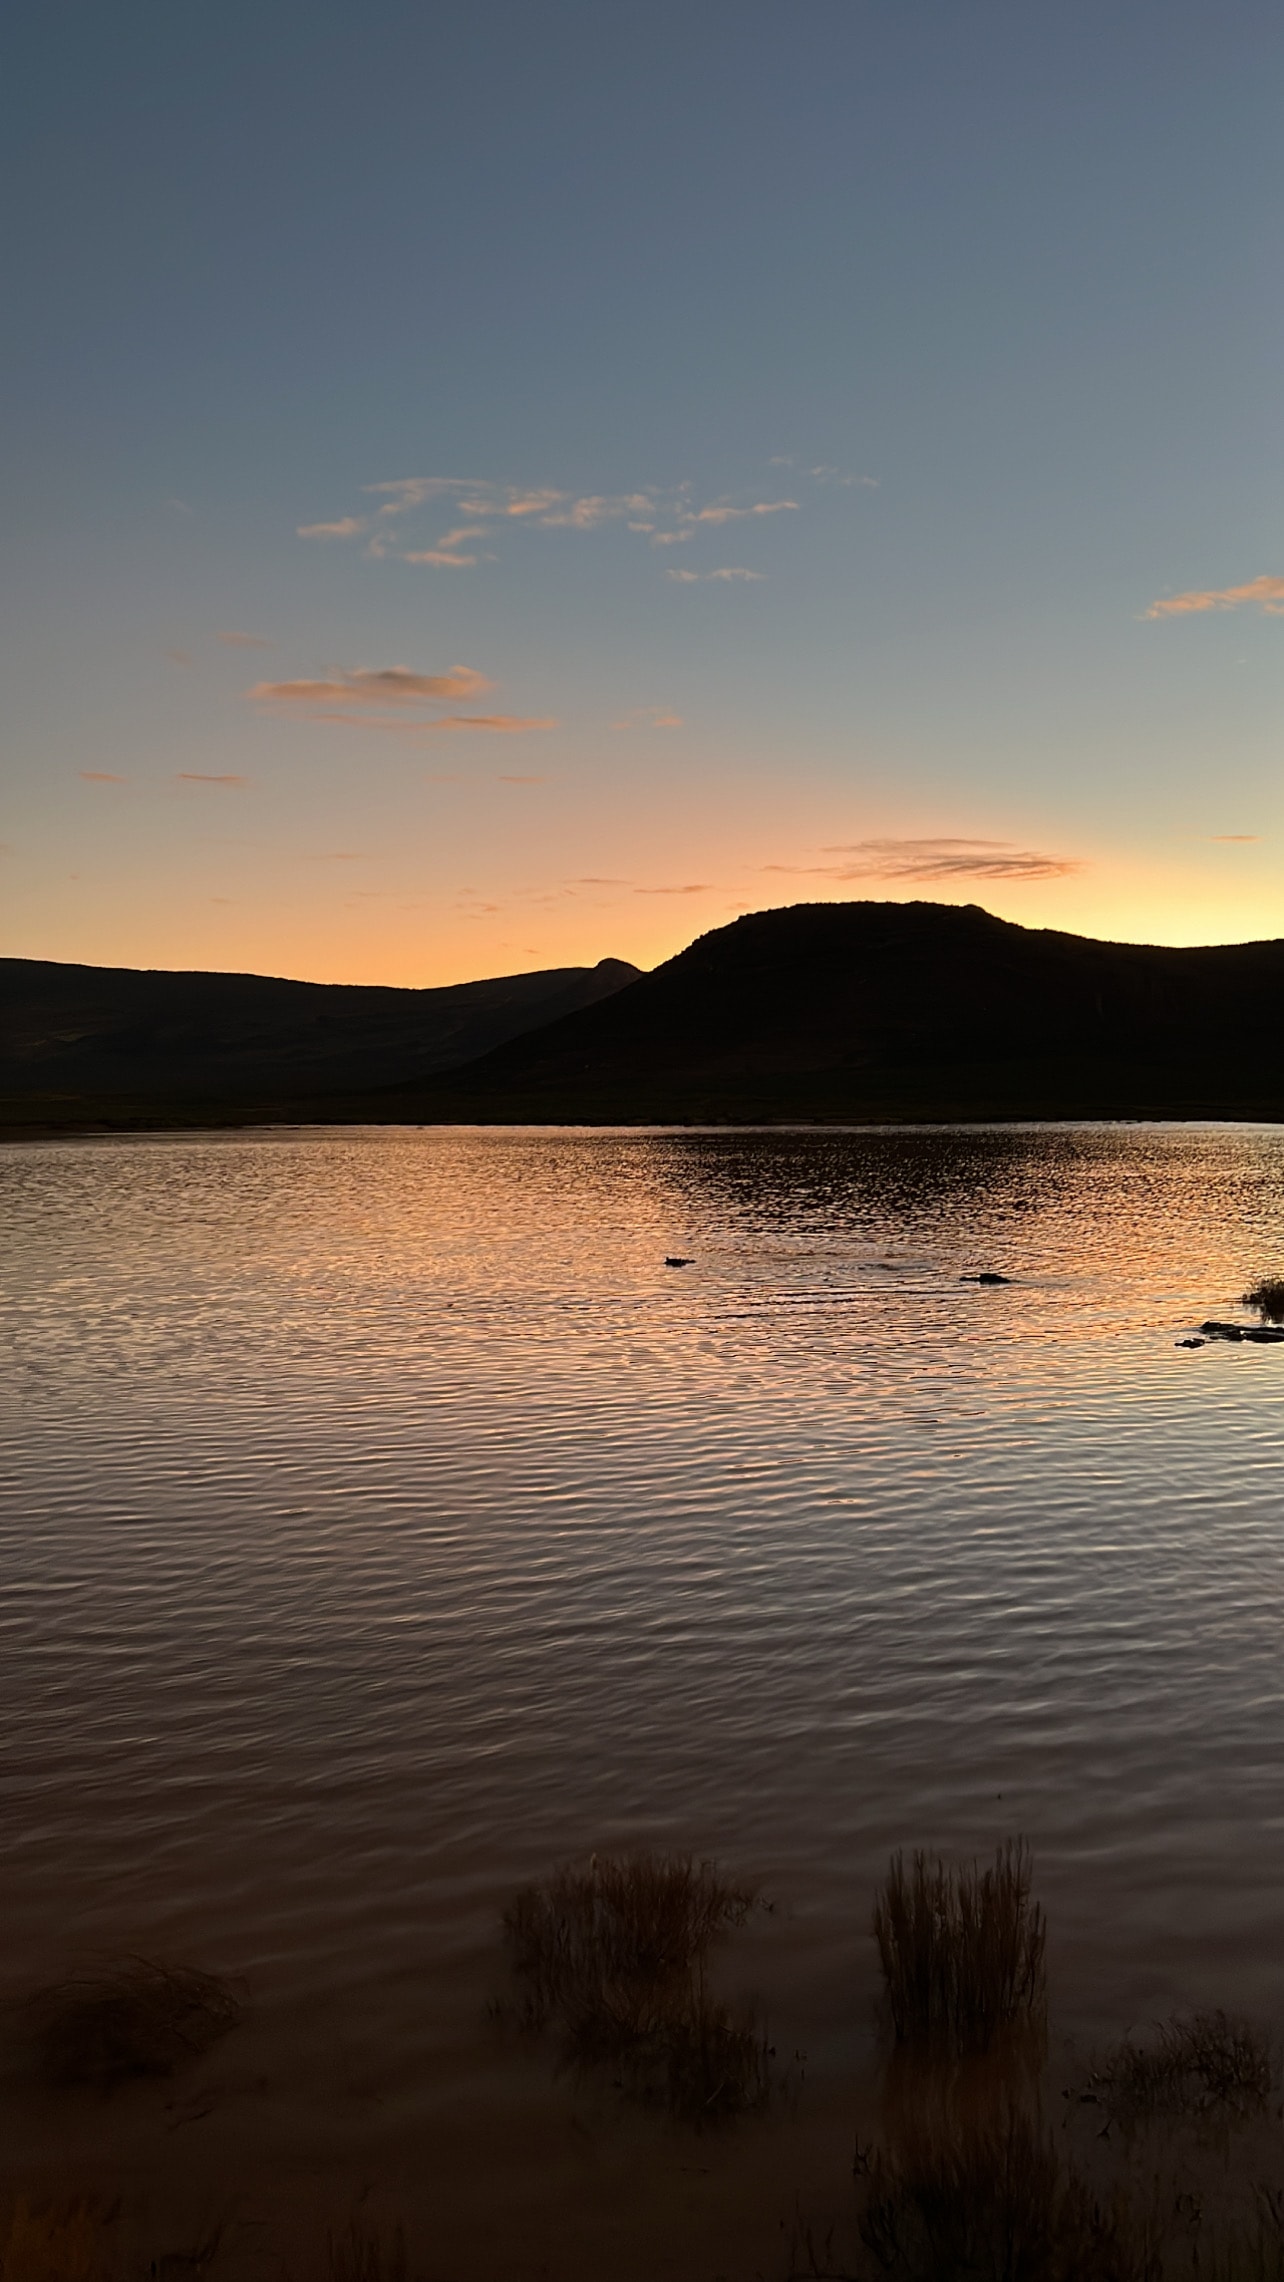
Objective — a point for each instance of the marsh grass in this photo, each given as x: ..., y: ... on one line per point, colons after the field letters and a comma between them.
x: 360, y: 2254
x: 60, y: 2242
x: 961, y: 1949
x: 133, y: 2020
x: 995, y: 2203
x: 1268, y: 1298
x: 613, y: 1955
x: 1200, y: 2065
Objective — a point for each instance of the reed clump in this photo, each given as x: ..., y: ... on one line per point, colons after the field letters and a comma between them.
x: 360, y: 2254
x: 133, y: 2020
x: 1198, y: 2065
x: 961, y: 1948
x: 613, y: 1955
x: 996, y: 2203
x: 59, y: 2242
x: 1268, y: 1298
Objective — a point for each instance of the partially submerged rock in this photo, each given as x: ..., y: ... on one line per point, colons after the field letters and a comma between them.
x: 1255, y: 1334
x: 987, y: 1276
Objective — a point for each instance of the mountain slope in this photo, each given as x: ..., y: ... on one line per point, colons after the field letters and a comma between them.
x: 110, y: 1033
x: 901, y: 1009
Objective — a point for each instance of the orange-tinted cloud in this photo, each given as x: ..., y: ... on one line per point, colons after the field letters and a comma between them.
x: 410, y: 491
x: 667, y: 517
x: 936, y: 859
x: 444, y: 557
x: 734, y: 514
x: 1234, y: 836
x: 695, y: 887
x: 1266, y: 592
x: 649, y: 717
x: 195, y: 776
x: 378, y: 686
x: 101, y: 776
x: 503, y: 724
x: 238, y: 641
x: 521, y: 780
x: 510, y: 724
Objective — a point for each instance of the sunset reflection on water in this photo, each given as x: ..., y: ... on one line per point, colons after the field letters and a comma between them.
x: 384, y: 1522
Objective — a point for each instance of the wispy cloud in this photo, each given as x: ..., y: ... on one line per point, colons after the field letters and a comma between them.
x: 407, y: 492
x: 521, y: 780
x: 649, y: 717
x: 445, y: 558
x: 666, y: 516
x: 735, y: 514
x: 378, y: 686
x: 694, y: 887
x: 585, y: 514
x: 238, y: 641
x: 101, y: 776
x: 195, y: 776
x: 1235, y: 837
x: 696, y: 578
x: 347, y: 527
x: 936, y: 859
x: 496, y: 724
x: 839, y: 476
x: 1265, y: 592
x: 499, y: 724
x: 824, y: 472
x: 376, y: 698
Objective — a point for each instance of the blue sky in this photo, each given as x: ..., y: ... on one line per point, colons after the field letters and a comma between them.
x: 834, y: 401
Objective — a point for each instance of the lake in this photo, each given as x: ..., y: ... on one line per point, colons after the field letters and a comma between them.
x: 384, y: 1523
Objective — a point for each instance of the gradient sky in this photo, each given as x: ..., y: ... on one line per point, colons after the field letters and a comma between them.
x: 494, y: 485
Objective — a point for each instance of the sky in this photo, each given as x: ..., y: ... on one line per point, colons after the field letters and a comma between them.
x: 506, y: 483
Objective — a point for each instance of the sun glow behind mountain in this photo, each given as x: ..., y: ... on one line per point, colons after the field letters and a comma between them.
x: 776, y: 466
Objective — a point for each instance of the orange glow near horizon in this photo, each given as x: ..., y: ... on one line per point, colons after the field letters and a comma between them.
x: 334, y: 924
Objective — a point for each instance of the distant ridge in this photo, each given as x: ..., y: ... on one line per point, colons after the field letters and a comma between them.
x: 863, y: 1011
x: 136, y: 1045
x: 844, y: 1012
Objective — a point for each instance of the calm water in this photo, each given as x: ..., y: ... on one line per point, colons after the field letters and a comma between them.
x: 382, y: 1521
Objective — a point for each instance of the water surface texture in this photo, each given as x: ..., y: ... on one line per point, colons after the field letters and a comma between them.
x: 383, y: 1522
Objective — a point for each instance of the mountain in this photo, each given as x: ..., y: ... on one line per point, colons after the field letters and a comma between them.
x: 831, y: 1011
x: 79, y: 1041
x: 898, y: 1010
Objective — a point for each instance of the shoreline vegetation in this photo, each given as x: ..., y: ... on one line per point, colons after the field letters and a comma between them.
x: 827, y: 1014
x: 1141, y: 2165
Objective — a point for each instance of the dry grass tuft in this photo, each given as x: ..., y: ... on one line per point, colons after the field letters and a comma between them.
x: 59, y: 2242
x: 1207, y: 2064
x: 135, y: 2020
x: 994, y: 2204
x: 360, y: 2254
x: 962, y: 1949
x: 613, y: 1955
x: 1268, y: 1298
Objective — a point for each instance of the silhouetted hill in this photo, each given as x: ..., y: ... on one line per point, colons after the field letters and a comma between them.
x: 85, y: 1038
x: 873, y: 1010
